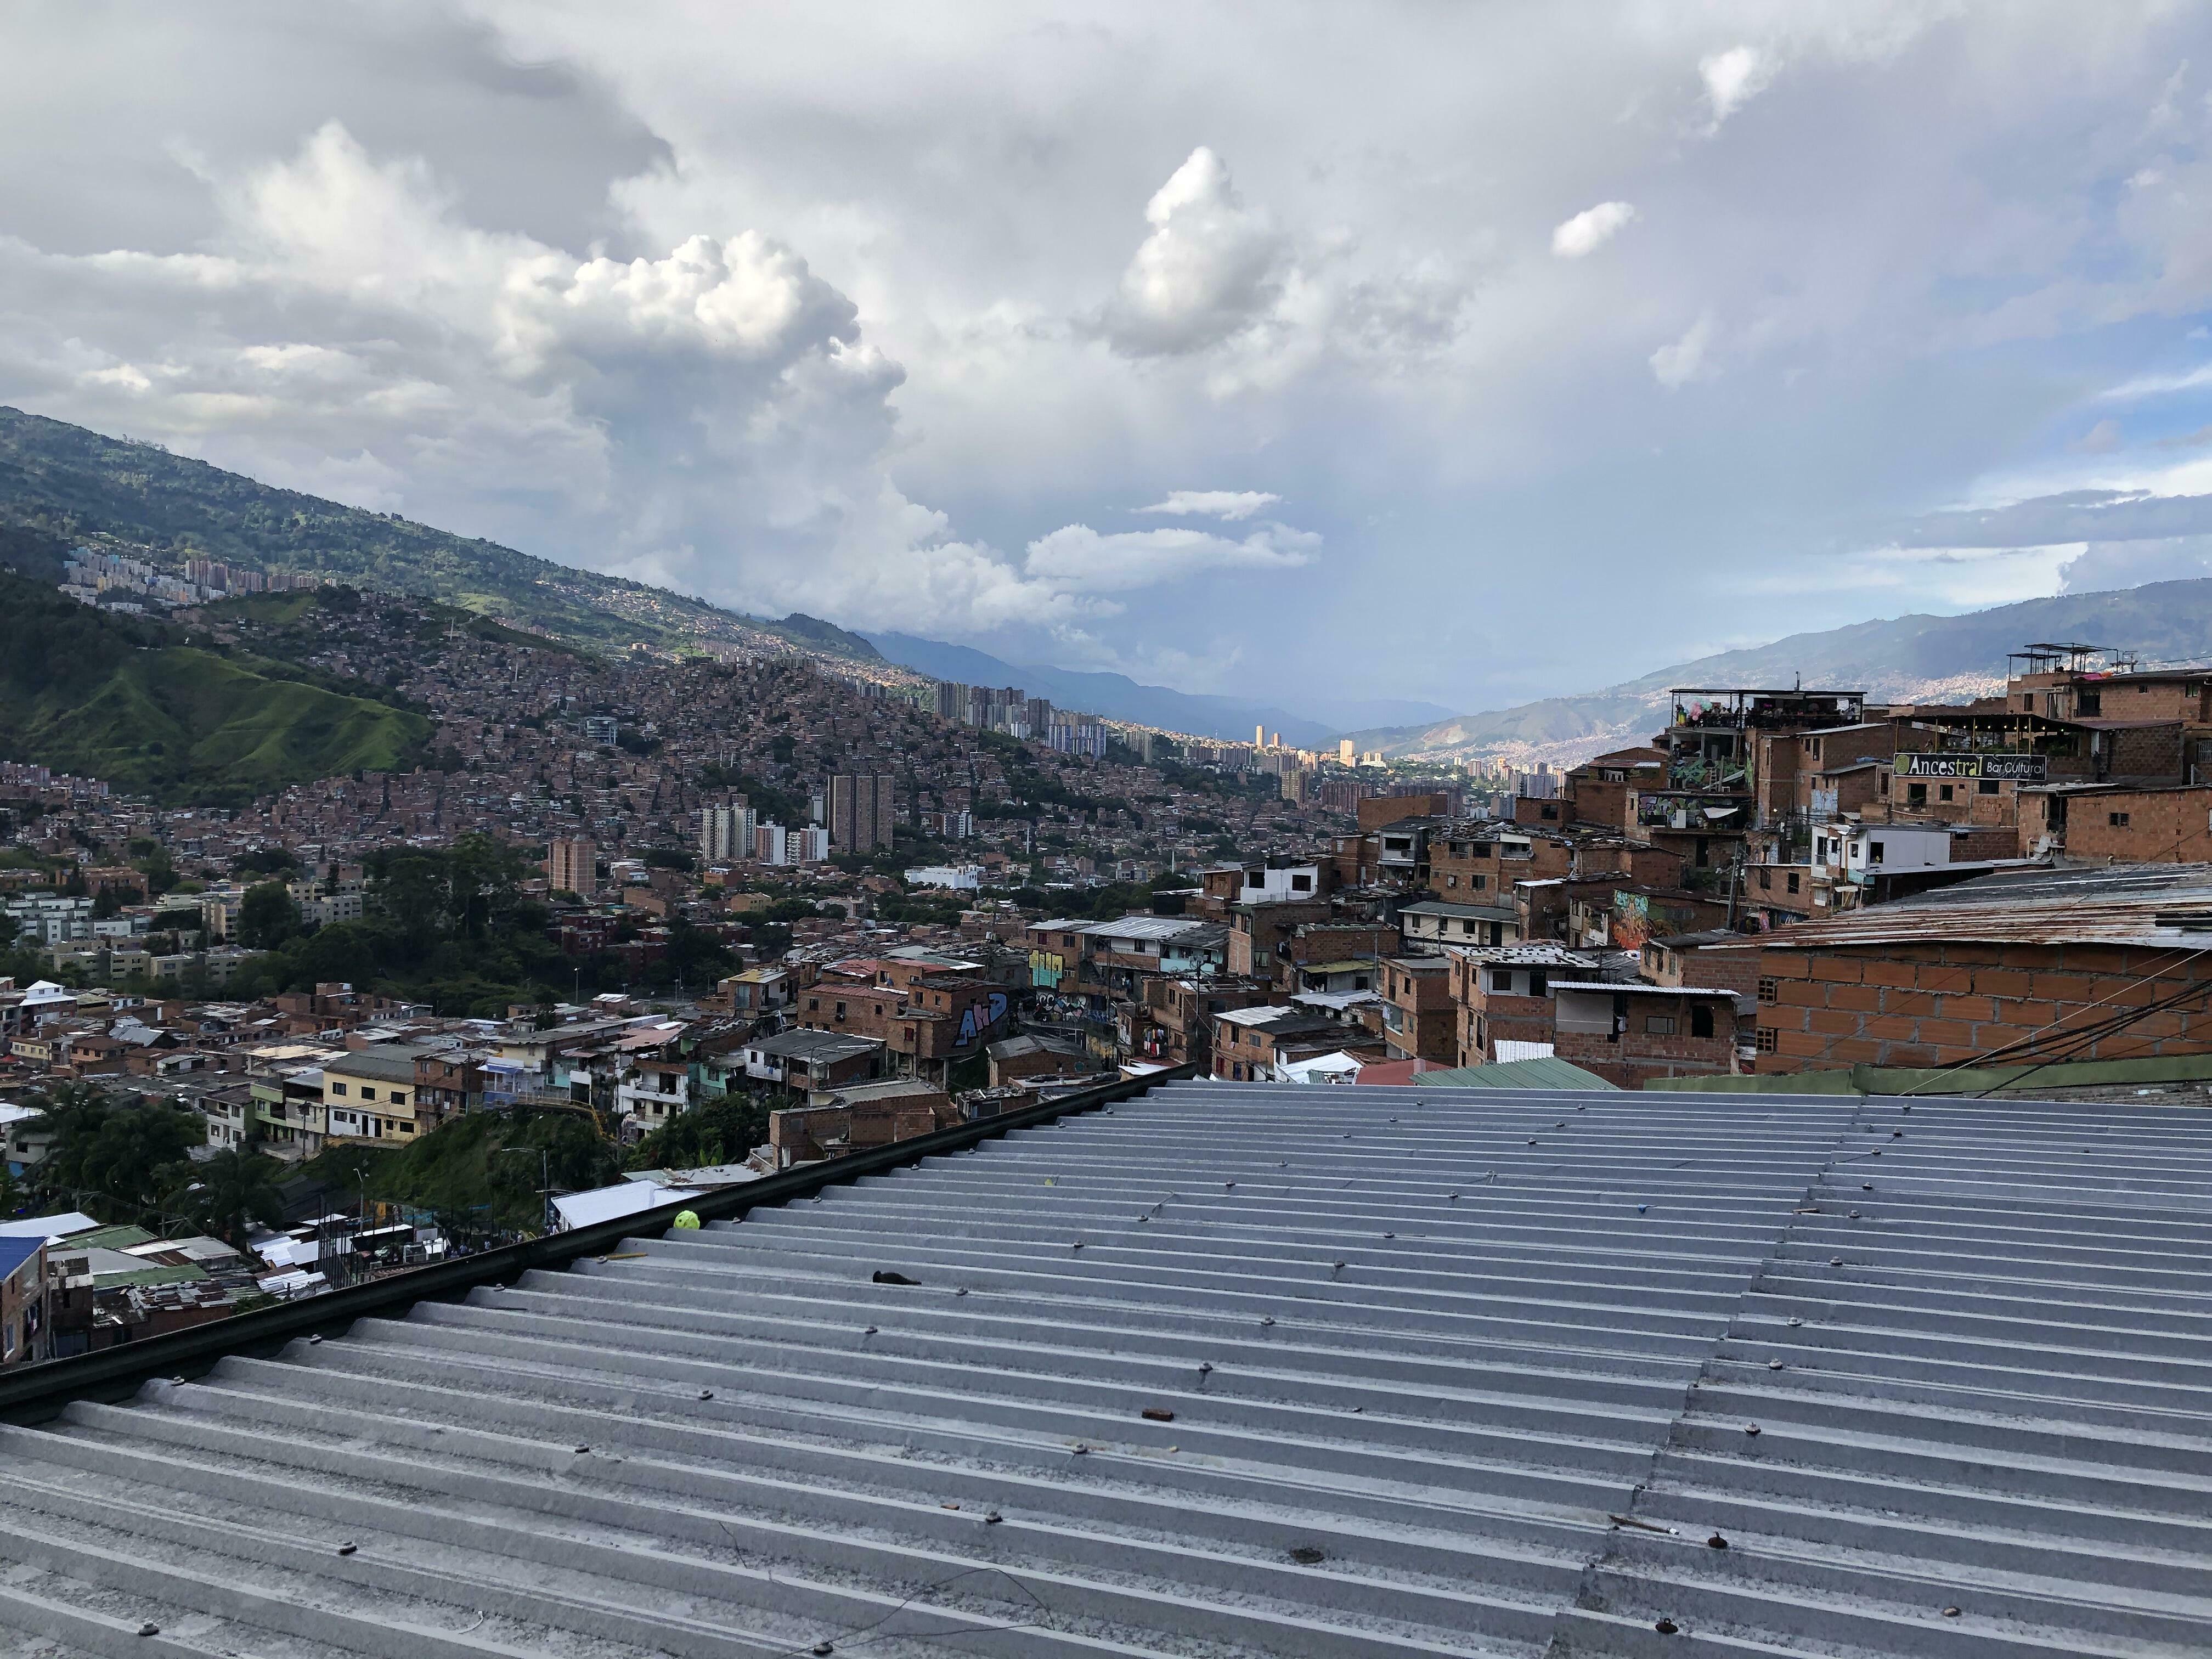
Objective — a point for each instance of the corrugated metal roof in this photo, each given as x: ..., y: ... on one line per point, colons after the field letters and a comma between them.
x: 2168, y: 904
x: 1538, y: 1071
x: 1239, y: 1371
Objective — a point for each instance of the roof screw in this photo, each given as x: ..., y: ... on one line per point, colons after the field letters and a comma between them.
x: 870, y: 1331
x: 1950, y: 1613
x: 706, y: 1394
x: 315, y: 1339
x: 963, y: 1290
x: 1266, y: 1319
x: 1752, y: 1429
x: 149, y: 1629
x: 821, y: 1650
x: 1666, y: 1627
x: 1855, y: 1215
x: 1717, y: 1542
x: 1774, y: 1365
x: 992, y: 1517
x: 347, y: 1549
x: 1794, y: 1323
x: 582, y: 1451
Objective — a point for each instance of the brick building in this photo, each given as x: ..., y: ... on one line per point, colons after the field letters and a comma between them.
x: 1418, y: 1020
x: 2017, y: 968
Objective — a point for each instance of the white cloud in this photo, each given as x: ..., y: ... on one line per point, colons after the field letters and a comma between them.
x: 1211, y: 268
x: 711, y: 418
x: 1077, y: 559
x: 1220, y: 281
x: 1231, y: 504
x: 1591, y: 229
x: 1733, y: 78
x: 1683, y: 361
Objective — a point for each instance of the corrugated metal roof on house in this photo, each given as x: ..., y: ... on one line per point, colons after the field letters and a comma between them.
x: 2168, y: 904
x: 1240, y: 1371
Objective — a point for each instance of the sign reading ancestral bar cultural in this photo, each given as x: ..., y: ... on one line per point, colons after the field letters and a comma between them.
x: 2010, y: 768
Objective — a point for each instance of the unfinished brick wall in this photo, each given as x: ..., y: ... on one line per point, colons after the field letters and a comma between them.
x: 2165, y: 826
x: 1944, y: 1004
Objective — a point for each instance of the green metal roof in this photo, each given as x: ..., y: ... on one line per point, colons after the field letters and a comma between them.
x: 121, y: 1236
x: 1547, y: 1072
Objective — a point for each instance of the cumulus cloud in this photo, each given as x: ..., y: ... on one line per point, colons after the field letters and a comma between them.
x: 1219, y: 281
x: 1684, y: 360
x: 1077, y: 559
x: 1215, y: 503
x: 1591, y: 229
x: 1211, y: 268
x: 1733, y: 78
x: 711, y: 418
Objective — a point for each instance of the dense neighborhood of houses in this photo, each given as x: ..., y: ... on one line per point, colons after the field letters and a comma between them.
x: 1781, y: 881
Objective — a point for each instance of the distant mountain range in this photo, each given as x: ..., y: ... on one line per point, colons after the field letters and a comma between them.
x: 1916, y: 659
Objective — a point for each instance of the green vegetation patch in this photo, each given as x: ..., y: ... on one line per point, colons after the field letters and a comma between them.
x: 118, y: 698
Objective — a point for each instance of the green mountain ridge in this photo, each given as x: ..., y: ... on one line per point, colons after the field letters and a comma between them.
x: 70, y: 483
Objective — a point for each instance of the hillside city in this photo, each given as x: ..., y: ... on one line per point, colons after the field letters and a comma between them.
x: 643, y: 924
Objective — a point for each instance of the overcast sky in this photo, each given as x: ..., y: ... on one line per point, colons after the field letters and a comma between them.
x: 1460, y: 352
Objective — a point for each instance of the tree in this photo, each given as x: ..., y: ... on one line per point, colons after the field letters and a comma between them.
x: 267, y: 916
x: 715, y: 1131
x: 228, y: 1192
x: 115, y: 1153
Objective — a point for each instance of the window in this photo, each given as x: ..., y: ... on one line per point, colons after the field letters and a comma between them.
x: 1766, y: 877
x: 337, y: 1088
x: 1451, y: 881
x: 1467, y: 925
x: 1536, y: 982
x: 1301, y: 884
x: 1764, y: 1040
x: 1986, y: 786
x: 1794, y: 881
x: 1874, y: 852
x: 840, y: 1011
x: 1548, y: 812
x: 1915, y: 795
x: 368, y: 1093
x: 1659, y: 1025
x: 1943, y: 791
x: 398, y: 1097
x: 1500, y: 980
x: 1769, y: 990
x: 1701, y: 1020
x: 2118, y: 820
